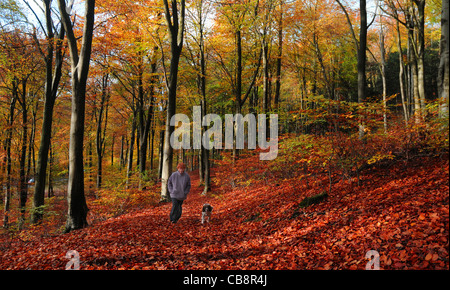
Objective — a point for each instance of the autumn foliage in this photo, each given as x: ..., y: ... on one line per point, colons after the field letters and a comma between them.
x: 363, y: 143
x: 398, y: 208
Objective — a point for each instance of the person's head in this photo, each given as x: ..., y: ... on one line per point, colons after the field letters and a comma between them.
x: 181, y: 167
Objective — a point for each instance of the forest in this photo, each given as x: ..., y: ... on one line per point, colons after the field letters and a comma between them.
x: 354, y: 95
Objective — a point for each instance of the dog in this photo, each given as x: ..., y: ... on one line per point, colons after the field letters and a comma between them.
x: 206, y: 212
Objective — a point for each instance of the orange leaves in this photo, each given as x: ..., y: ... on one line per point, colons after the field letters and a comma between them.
x: 431, y: 257
x: 422, y: 217
x: 402, y: 216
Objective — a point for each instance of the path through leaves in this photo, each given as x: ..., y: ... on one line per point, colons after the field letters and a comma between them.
x: 403, y: 215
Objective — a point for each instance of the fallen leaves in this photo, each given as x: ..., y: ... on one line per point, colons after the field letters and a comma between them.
x: 431, y: 256
x: 254, y: 227
x: 422, y: 217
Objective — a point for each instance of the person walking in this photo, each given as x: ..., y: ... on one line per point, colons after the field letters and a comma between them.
x: 179, y: 185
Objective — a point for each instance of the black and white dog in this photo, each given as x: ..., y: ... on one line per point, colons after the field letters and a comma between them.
x: 206, y: 212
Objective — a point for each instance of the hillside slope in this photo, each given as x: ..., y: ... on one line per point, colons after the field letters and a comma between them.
x: 402, y: 214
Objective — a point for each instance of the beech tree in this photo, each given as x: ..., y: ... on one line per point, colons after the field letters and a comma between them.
x: 412, y: 17
x: 443, y: 76
x: 17, y: 76
x: 79, y: 62
x: 361, y: 47
x: 197, y: 57
x: 237, y: 16
x: 175, y: 26
x: 52, y: 79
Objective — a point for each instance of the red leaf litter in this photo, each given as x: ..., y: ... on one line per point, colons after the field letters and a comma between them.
x: 401, y: 212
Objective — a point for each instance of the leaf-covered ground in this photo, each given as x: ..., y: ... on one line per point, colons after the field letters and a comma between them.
x: 401, y: 211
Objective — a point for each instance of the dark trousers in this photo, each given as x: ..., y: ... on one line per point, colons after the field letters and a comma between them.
x: 175, y: 213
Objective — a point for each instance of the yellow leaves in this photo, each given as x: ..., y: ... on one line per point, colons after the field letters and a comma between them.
x: 380, y: 156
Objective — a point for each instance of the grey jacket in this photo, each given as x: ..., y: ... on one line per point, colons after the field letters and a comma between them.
x: 179, y: 185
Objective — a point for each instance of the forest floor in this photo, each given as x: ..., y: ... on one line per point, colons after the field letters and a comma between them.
x: 401, y: 211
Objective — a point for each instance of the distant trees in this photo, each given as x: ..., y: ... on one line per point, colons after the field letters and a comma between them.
x: 411, y: 15
x: 197, y: 57
x: 305, y: 60
x: 17, y: 74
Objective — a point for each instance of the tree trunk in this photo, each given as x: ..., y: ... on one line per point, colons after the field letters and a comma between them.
x: 99, y: 171
x: 144, y: 138
x: 383, y: 75
x: 322, y: 66
x: 401, y: 74
x: 238, y: 89
x: 9, y: 132
x: 30, y: 155
x: 362, y: 59
x: 77, y: 207
x: 175, y: 26
x: 415, y: 88
x: 122, y: 156
x: 77, y: 210
x: 145, y: 126
x: 204, y: 152
x: 50, y: 192
x: 161, y: 153
x: 421, y: 51
x: 131, y: 149
x: 23, y: 187
x: 205, y: 157
x: 361, y: 47
x: 443, y: 75
x: 101, y: 132
x: 112, y: 149
x: 151, y: 155
x: 266, y: 89
x: 279, y: 57
x: 171, y: 108
x: 51, y: 88
x: 201, y: 85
